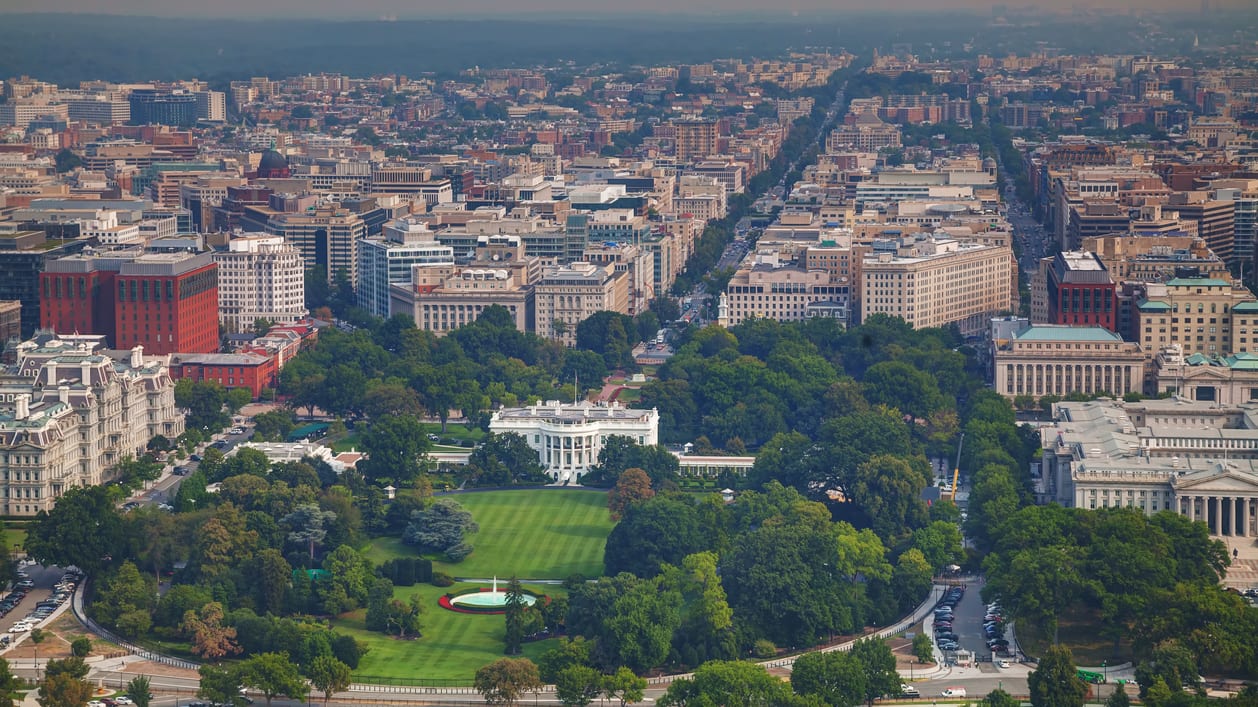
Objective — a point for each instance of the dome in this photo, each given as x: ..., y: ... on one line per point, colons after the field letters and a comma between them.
x: 273, y: 165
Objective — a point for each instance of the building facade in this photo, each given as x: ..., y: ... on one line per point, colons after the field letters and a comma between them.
x: 260, y: 277
x: 388, y: 260
x: 1197, y: 459
x: 1060, y: 360
x: 325, y: 237
x: 567, y: 295
x: 69, y: 412
x: 569, y: 437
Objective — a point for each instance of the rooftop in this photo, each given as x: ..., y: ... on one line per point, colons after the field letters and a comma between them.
x: 1197, y: 282
x: 1062, y: 332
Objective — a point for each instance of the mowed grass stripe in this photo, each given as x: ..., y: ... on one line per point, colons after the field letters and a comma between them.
x: 534, y: 534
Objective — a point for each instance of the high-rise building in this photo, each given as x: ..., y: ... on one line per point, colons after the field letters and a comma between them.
x: 165, y: 302
x: 1199, y: 314
x: 211, y: 106
x: 154, y: 107
x: 389, y: 260
x: 325, y: 236
x: 695, y: 139
x: 1215, y: 220
x: 260, y: 277
x: 23, y: 256
x: 1081, y: 292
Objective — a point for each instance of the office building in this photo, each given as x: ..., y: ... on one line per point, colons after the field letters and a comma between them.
x: 935, y: 282
x: 1199, y: 315
x: 1193, y: 458
x: 23, y: 256
x: 1215, y: 220
x: 211, y: 106
x: 695, y: 139
x: 10, y: 320
x: 568, y: 294
x: 165, y: 302
x: 1081, y: 292
x: 1050, y: 359
x: 251, y: 371
x: 69, y: 412
x: 569, y: 437
x: 325, y: 236
x: 260, y: 277
x: 784, y: 292
x: 156, y: 107
x: 867, y: 134
x: 389, y: 260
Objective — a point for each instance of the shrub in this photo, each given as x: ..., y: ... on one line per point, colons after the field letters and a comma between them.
x: 764, y: 648
x: 459, y: 552
x: 441, y: 579
x: 81, y: 646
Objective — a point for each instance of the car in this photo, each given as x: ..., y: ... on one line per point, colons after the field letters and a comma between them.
x: 195, y: 457
x: 123, y: 700
x: 908, y: 691
x: 109, y: 701
x: 95, y: 703
x: 180, y: 471
x: 1002, y: 663
x: 20, y: 627
x: 953, y: 692
x: 27, y: 584
x: 948, y: 646
x: 237, y: 430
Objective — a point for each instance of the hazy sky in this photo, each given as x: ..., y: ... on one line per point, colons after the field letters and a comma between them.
x: 366, y: 9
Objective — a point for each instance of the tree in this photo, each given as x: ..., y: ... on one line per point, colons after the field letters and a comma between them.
x: 140, y: 691
x: 329, y: 676
x: 9, y: 684
x: 394, y: 445
x: 505, y: 680
x: 210, y: 638
x: 442, y: 525
x: 923, y: 648
x: 308, y: 525
x: 999, y: 698
x: 729, y: 684
x: 570, y: 651
x: 272, y: 576
x: 220, y: 685
x: 272, y: 674
x: 125, y: 600
x: 632, y: 486
x: 514, y: 615
x: 67, y: 160
x: 624, y: 686
x: 878, y: 662
x: 237, y: 398
x: 72, y: 666
x: 1055, y: 681
x: 1118, y: 698
x: 81, y: 647
x: 836, y: 677
x: 83, y: 529
x: 404, y: 616
x: 578, y: 686
x: 64, y: 690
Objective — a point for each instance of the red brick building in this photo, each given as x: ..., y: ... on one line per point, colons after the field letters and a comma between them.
x: 238, y: 370
x: 1081, y: 292
x: 165, y: 302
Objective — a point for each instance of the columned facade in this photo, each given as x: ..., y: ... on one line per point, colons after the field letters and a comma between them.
x: 1224, y: 515
x: 569, y: 437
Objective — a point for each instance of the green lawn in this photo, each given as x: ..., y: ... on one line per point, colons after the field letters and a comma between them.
x: 532, y: 534
x: 454, y: 431
x: 453, y: 645
x: 16, y: 537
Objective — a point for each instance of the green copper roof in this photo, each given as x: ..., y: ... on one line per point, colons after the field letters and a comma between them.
x: 1246, y: 307
x: 1197, y: 282
x: 1154, y: 306
x: 1051, y: 332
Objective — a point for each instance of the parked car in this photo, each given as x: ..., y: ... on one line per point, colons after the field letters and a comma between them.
x: 908, y: 691
x: 953, y: 692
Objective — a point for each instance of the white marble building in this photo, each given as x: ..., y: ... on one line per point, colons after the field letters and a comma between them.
x: 568, y: 437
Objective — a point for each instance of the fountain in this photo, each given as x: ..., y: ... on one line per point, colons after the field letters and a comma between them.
x: 487, y: 600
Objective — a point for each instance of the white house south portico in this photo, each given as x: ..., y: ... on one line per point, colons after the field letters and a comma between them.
x: 569, y: 436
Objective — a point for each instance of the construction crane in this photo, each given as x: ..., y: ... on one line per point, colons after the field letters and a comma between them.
x: 956, y: 470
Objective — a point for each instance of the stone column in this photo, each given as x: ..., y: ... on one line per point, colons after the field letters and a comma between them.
x: 1216, y: 506
x: 1192, y: 508
x: 1245, y: 517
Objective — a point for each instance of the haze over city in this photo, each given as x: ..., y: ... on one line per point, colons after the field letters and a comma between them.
x: 412, y: 9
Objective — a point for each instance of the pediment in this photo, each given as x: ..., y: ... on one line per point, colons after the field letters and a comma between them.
x: 1210, y: 373
x: 1217, y: 482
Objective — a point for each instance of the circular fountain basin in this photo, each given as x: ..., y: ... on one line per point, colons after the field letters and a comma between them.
x: 488, y: 600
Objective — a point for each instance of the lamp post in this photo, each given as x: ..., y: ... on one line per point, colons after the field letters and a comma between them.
x: 912, y: 662
x: 1104, y: 671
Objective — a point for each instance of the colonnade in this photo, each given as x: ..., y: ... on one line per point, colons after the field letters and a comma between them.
x: 1224, y: 515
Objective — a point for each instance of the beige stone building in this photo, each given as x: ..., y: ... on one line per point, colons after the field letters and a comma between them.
x: 784, y: 292
x: 1227, y: 380
x: 1051, y: 359
x: 638, y: 264
x: 933, y: 283
x: 69, y: 412
x: 1199, y: 315
x: 444, y: 297
x: 568, y: 294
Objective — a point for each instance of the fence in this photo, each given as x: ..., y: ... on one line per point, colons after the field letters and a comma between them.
x: 76, y: 605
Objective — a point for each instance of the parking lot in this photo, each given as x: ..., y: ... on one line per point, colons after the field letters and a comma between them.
x: 43, y: 579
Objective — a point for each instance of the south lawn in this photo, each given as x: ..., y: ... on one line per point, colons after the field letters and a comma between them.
x: 453, y: 646
x: 532, y: 534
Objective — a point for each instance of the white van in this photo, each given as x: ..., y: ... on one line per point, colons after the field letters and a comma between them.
x: 21, y: 627
x: 953, y: 692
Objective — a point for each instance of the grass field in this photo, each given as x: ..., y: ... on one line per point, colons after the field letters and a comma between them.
x: 453, y: 645
x: 532, y: 534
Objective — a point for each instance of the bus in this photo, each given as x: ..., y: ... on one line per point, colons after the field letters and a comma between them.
x: 1089, y: 676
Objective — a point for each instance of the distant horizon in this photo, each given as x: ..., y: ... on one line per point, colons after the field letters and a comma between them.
x: 712, y: 10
